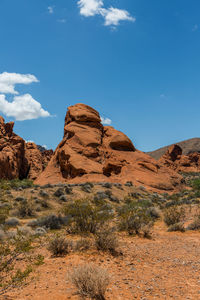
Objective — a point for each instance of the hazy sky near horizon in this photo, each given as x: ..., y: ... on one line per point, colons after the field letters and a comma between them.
x: 136, y: 61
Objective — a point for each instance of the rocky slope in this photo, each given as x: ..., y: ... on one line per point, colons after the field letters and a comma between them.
x: 176, y: 160
x: 91, y: 152
x: 19, y: 159
x: 188, y: 147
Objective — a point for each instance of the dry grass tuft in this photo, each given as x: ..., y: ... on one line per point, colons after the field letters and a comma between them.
x: 91, y: 281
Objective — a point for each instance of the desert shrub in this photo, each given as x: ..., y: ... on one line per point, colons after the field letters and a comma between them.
x: 134, y: 217
x: 51, y: 221
x: 44, y: 203
x: 10, y: 252
x: 91, y: 281
x: 82, y: 244
x: 154, y: 212
x: 2, y: 235
x: 4, y: 211
x: 59, y: 246
x: 196, y: 184
x: 40, y: 231
x: 173, y: 215
x: 106, y: 240
x: 12, y: 222
x: 176, y: 227
x: 85, y: 216
x: 15, y: 184
x: 195, y: 225
x: 25, y: 209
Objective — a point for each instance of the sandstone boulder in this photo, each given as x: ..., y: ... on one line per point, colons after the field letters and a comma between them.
x: 91, y: 152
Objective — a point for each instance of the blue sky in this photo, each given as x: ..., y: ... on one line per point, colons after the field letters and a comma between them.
x: 142, y: 72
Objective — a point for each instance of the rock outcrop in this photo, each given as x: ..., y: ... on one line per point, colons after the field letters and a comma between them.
x: 91, y: 152
x: 12, y: 152
x: 175, y: 160
x: 36, y: 160
x: 19, y: 159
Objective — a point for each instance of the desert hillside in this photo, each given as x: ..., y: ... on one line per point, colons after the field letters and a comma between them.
x: 188, y: 146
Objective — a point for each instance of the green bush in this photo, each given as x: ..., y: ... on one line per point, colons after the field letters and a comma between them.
x: 196, y: 184
x: 173, y: 215
x: 195, y: 225
x: 15, y: 183
x: 10, y: 251
x: 86, y: 217
x: 107, y: 241
x: 176, y: 227
x: 4, y: 211
x: 135, y: 217
x: 59, y: 246
x: 26, y: 209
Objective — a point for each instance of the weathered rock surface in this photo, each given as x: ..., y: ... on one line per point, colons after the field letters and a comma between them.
x: 36, y: 160
x: 17, y: 158
x: 91, y: 152
x: 12, y: 152
x: 175, y: 160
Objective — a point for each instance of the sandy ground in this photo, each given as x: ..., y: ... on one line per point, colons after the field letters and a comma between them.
x: 165, y: 267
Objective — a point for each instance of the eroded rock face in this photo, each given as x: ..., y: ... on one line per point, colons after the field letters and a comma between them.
x: 37, y: 160
x: 17, y: 158
x: 91, y: 152
x: 12, y: 149
x: 175, y: 160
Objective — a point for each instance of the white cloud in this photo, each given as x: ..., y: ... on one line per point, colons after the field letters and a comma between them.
x: 9, y: 80
x: 89, y: 8
x: 106, y: 121
x: 22, y: 108
x: 112, y: 16
x: 50, y: 9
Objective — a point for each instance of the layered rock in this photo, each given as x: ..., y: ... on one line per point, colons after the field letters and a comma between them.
x: 17, y: 158
x: 175, y: 160
x: 91, y: 152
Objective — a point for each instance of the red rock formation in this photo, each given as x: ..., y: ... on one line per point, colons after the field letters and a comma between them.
x: 12, y: 163
x: 36, y: 160
x: 17, y: 158
x: 174, y: 159
x: 91, y: 152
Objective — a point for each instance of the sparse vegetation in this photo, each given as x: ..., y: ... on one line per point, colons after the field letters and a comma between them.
x: 106, y: 240
x: 60, y: 246
x: 25, y: 209
x: 15, y: 184
x: 174, y: 215
x: 135, y: 217
x: 86, y: 217
x: 50, y: 221
x: 195, y: 225
x: 83, y: 244
x: 10, y: 250
x: 91, y: 281
x: 176, y: 227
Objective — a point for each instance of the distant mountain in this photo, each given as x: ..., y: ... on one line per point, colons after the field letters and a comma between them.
x: 188, y: 146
